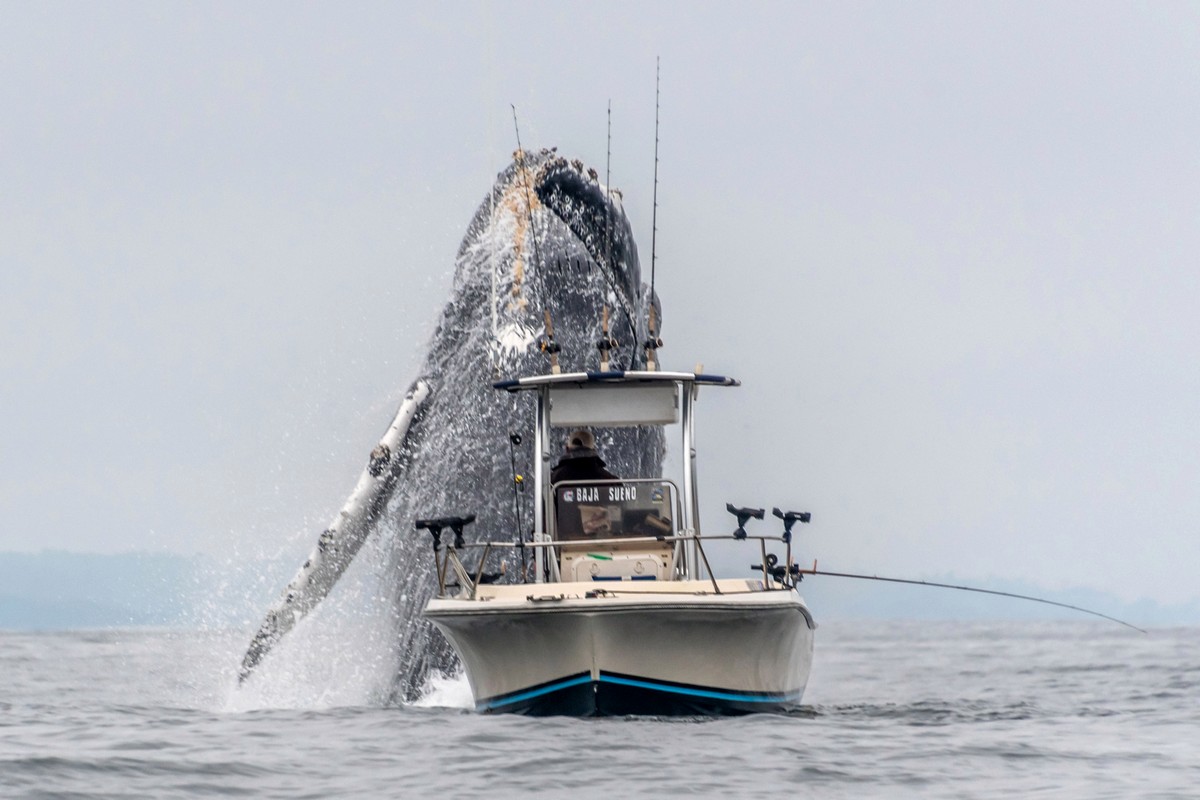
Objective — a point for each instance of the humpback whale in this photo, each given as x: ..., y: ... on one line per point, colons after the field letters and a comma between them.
x: 549, y: 240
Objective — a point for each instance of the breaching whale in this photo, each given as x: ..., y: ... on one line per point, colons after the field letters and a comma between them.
x: 548, y: 239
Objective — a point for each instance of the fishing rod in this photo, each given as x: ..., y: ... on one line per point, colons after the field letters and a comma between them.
x: 608, y: 244
x: 514, y: 439
x: 790, y: 574
x: 548, y: 345
x: 608, y: 237
x: 653, y: 342
x: 654, y: 211
x: 815, y: 571
x: 608, y: 241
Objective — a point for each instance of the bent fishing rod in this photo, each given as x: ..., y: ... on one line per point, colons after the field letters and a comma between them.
x: 815, y: 571
x: 791, y: 574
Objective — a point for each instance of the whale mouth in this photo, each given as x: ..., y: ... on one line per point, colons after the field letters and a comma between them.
x: 593, y: 214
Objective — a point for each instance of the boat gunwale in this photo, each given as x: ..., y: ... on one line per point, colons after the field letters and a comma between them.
x: 638, y: 602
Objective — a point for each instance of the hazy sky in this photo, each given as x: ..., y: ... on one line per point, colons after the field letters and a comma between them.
x: 950, y: 249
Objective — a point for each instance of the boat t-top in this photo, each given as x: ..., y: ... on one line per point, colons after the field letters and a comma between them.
x: 616, y: 609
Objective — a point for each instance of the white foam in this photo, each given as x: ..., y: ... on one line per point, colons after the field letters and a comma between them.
x: 446, y: 691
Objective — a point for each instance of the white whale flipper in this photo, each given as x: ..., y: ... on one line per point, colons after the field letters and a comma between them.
x: 343, y: 538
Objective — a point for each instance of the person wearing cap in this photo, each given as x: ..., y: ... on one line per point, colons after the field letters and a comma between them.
x: 580, y: 461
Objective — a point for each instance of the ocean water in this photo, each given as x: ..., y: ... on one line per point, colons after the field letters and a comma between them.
x: 894, y: 709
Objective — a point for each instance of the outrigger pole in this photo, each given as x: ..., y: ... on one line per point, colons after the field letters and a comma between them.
x: 815, y: 571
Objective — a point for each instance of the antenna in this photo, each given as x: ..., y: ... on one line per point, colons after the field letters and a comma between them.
x: 653, y: 342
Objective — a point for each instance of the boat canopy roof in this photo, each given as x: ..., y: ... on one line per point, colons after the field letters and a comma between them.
x: 616, y: 377
x: 615, y: 399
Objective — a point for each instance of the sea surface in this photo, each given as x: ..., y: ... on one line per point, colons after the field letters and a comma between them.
x: 894, y: 709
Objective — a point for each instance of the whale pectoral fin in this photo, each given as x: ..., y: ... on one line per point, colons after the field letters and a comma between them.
x: 342, y: 540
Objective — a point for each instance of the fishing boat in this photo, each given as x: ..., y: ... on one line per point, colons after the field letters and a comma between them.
x: 616, y: 609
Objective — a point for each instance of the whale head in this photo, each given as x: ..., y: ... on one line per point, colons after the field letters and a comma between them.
x: 551, y: 238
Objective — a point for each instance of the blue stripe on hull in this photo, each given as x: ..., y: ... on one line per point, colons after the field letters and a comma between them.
x: 535, y: 695
x: 627, y: 695
x: 695, y: 691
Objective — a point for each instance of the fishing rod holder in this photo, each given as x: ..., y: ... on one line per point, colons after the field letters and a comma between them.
x: 651, y: 346
x: 787, y: 575
x: 551, y: 348
x: 790, y: 518
x: 743, y: 515
x: 436, y: 525
x: 605, y: 345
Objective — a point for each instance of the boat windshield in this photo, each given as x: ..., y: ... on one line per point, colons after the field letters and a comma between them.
x: 612, y: 509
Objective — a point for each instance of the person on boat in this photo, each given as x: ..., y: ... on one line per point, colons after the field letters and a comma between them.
x: 581, y: 461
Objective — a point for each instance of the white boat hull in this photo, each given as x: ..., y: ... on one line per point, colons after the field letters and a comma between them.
x: 659, y: 648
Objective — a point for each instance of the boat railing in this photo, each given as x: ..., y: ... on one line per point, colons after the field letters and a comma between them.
x: 776, y: 576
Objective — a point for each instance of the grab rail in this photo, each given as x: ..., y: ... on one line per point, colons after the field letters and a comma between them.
x: 450, y: 561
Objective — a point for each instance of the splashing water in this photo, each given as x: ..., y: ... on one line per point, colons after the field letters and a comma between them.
x: 446, y: 691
